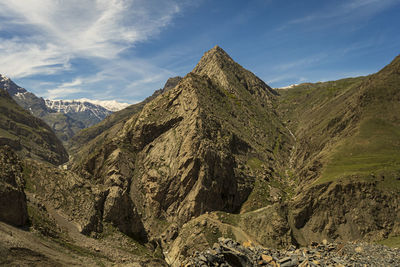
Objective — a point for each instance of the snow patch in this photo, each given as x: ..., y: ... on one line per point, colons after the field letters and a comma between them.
x: 289, y: 86
x: 111, y: 105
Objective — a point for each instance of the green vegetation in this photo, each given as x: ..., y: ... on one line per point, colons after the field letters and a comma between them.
x: 350, y: 126
x: 40, y: 220
x: 85, y: 252
x: 228, y: 218
x: 125, y: 242
x: 393, y: 242
x: 259, y: 196
x: 374, y: 149
x: 26, y: 174
x: 254, y: 163
x: 212, y: 234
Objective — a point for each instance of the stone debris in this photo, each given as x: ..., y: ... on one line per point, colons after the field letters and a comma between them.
x: 228, y: 252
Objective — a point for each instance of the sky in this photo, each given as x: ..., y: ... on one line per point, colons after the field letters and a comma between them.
x: 124, y: 50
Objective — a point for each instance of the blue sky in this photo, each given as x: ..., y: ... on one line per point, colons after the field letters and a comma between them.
x: 126, y: 49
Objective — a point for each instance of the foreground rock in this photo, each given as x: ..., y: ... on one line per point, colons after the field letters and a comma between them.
x: 228, y: 252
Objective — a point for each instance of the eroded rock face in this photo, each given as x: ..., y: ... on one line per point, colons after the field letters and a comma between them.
x: 345, y: 211
x: 188, y: 150
x: 121, y: 211
x: 13, y: 208
x: 181, y: 170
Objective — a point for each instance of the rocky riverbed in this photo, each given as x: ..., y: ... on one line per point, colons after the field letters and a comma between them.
x: 228, y: 252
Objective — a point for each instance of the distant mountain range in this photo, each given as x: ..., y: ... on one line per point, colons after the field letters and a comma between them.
x: 65, y: 117
x: 84, y: 104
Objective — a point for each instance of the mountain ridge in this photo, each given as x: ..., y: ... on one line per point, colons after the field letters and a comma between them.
x: 28, y: 135
x: 66, y: 118
x: 218, y: 153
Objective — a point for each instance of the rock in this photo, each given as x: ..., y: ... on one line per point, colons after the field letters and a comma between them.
x: 358, y: 249
x: 13, y: 208
x: 266, y: 258
x: 119, y: 210
x: 234, y: 254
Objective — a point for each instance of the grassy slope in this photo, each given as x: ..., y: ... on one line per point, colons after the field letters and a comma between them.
x: 375, y: 149
x: 319, y: 115
x: 371, y: 146
x: 351, y: 126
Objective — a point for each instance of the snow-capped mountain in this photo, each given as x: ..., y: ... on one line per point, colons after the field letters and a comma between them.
x: 12, y: 89
x: 288, y: 87
x: 111, y: 105
x: 78, y: 107
x: 65, y: 117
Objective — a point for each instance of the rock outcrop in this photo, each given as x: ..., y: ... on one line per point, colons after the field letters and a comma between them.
x: 13, y: 209
x: 347, y: 210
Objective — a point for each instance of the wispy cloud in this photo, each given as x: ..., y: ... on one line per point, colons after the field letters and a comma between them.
x: 65, y: 89
x: 342, y: 12
x: 48, y: 34
x: 302, y: 62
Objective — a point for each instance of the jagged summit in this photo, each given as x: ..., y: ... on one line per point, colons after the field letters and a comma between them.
x: 213, y: 59
x: 7, y: 84
x: 222, y: 69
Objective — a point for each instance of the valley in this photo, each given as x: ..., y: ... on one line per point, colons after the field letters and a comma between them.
x: 215, y: 155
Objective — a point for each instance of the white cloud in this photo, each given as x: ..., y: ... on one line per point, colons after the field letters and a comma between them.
x: 121, y: 79
x: 65, y: 89
x: 62, y: 92
x: 48, y: 33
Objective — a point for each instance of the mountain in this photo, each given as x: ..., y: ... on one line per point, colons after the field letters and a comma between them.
x: 27, y: 135
x: 65, y: 117
x: 346, y: 153
x: 213, y: 142
x: 219, y: 153
x: 87, y: 113
x: 111, y: 105
x: 238, y: 146
x: 117, y: 118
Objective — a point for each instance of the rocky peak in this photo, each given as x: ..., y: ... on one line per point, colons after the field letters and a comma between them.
x: 7, y: 84
x: 223, y: 70
x: 214, y: 60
